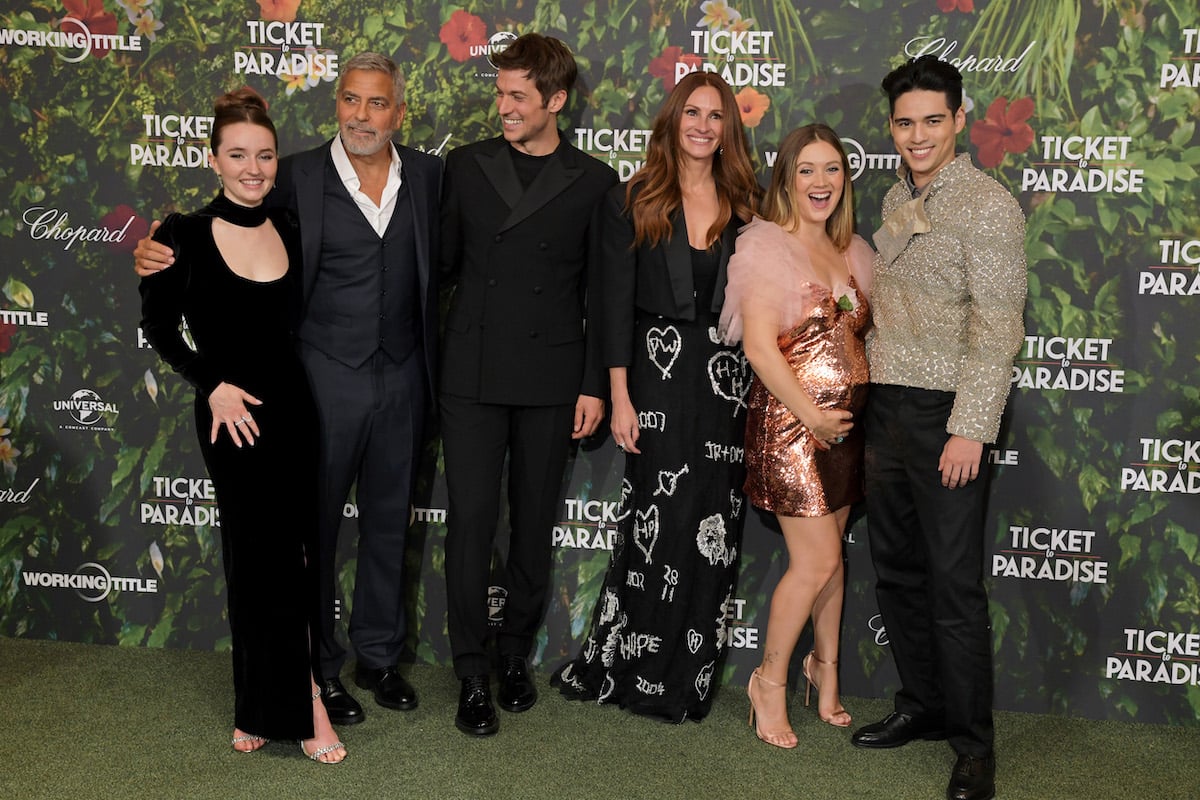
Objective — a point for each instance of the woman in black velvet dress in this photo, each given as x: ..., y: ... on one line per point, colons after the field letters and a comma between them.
x: 235, y: 280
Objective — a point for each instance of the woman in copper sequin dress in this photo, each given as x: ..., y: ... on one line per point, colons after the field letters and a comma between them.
x: 797, y: 298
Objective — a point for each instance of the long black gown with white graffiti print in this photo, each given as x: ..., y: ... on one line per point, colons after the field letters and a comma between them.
x: 658, y: 632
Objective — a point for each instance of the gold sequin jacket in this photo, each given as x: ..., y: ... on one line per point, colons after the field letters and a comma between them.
x: 949, y: 295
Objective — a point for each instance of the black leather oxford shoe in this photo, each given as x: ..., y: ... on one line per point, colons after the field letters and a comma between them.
x: 973, y: 778
x: 340, y: 705
x: 476, y: 716
x: 389, y: 686
x: 517, y: 692
x: 897, y: 729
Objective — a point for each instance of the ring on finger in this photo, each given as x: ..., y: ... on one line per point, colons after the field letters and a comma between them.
x: 240, y: 422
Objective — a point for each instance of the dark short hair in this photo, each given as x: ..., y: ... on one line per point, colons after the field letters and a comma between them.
x: 927, y: 73
x: 545, y: 60
x: 242, y: 105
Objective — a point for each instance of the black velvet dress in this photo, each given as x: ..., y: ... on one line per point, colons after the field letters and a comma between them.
x: 243, y: 332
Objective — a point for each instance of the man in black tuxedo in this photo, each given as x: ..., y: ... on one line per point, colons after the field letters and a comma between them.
x: 368, y: 339
x: 520, y: 377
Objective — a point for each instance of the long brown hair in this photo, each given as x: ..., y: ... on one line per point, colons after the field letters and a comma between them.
x: 779, y: 206
x: 654, y: 193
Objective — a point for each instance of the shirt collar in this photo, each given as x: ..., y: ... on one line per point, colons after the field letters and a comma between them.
x: 345, y: 170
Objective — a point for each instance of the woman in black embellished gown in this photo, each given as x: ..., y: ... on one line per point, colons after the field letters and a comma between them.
x: 658, y: 632
x: 236, y: 281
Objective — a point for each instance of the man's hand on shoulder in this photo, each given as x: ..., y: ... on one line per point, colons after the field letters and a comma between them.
x: 589, y: 411
x: 959, y: 463
x: 150, y: 256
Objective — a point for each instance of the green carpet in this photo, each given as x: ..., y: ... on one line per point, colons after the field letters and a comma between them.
x: 85, y: 721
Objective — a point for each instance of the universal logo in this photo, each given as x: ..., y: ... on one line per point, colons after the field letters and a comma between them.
x: 497, y: 595
x: 88, y: 410
x: 497, y: 43
x: 91, y: 581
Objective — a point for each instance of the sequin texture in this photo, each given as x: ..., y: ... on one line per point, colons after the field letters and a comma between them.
x: 948, y: 309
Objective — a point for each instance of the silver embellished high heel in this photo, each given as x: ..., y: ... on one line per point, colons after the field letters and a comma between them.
x: 248, y: 737
x: 316, y: 754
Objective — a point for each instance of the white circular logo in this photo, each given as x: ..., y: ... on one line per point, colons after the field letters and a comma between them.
x: 87, y: 39
x: 856, y: 155
x: 82, y: 408
x: 498, y: 43
x: 98, y: 592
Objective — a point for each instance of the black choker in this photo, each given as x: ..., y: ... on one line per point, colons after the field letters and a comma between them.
x: 224, y: 208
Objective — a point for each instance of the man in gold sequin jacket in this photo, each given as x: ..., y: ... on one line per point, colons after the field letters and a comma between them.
x: 950, y: 283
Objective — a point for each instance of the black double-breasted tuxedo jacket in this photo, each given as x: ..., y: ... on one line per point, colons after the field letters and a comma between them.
x: 523, y: 266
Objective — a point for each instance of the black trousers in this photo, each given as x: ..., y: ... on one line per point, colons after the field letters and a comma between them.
x: 927, y: 544
x: 371, y: 423
x: 475, y: 439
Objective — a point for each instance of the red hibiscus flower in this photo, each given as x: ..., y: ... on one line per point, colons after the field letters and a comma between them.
x: 664, y: 66
x: 965, y: 6
x: 7, y: 329
x: 1003, y: 130
x: 92, y: 14
x: 125, y: 218
x: 279, y: 10
x: 462, y: 31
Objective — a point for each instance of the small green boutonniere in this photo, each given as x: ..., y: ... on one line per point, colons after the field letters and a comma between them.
x: 847, y: 299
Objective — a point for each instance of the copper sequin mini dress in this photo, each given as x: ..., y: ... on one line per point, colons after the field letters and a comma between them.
x: 785, y: 470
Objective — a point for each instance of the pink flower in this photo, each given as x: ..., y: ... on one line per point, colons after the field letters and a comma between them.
x: 1003, y: 130
x: 462, y: 31
x: 965, y: 6
x: 664, y: 66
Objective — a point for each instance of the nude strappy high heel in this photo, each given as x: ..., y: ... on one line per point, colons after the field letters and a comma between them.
x: 836, y: 718
x: 784, y: 738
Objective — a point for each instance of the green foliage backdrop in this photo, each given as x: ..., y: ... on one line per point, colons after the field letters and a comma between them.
x: 75, y: 493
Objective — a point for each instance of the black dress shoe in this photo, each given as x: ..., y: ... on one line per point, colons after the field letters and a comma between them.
x: 341, y: 707
x: 476, y: 715
x: 897, y: 729
x: 973, y: 778
x: 389, y: 686
x: 517, y: 692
